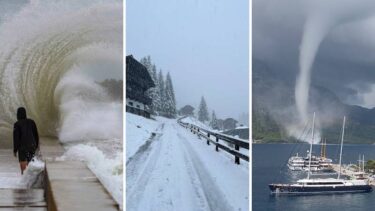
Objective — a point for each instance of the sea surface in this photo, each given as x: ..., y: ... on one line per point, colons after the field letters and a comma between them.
x: 269, y: 166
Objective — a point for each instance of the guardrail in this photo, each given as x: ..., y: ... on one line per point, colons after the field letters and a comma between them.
x: 207, y: 134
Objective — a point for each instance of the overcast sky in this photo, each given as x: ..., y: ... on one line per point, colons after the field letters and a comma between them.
x: 345, y: 61
x: 8, y: 7
x: 203, y: 44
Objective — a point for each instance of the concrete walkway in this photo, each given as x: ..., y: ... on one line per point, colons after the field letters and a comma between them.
x: 69, y: 185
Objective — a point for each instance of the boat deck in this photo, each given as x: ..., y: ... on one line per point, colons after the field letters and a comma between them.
x: 350, y: 173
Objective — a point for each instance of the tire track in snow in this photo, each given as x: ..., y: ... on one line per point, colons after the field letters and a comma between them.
x: 194, y: 178
x: 171, y: 187
x: 168, y: 175
x: 139, y: 167
x: 215, y: 199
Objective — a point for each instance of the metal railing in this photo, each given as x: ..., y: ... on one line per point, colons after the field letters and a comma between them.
x: 207, y: 134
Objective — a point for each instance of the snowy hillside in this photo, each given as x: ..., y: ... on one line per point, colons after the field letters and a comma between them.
x: 138, y: 131
x: 175, y: 170
x: 194, y: 121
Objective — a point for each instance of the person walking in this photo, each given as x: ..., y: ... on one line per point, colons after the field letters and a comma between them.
x: 25, y: 138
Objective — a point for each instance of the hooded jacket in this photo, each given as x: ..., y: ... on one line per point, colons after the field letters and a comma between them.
x: 25, y: 133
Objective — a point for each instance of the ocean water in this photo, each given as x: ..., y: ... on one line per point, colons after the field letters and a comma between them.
x: 269, y: 166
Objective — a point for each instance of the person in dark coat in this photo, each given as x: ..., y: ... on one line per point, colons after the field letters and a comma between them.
x: 25, y: 138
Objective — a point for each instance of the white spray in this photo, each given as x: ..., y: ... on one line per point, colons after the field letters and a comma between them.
x: 322, y: 18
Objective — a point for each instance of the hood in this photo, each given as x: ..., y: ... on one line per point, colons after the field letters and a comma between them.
x: 21, y: 113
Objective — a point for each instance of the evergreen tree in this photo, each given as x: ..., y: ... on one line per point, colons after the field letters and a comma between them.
x: 162, y: 95
x: 187, y: 110
x: 203, y: 111
x: 170, y: 101
x: 146, y: 61
x: 213, y: 122
x: 156, y: 97
x: 161, y: 108
x: 152, y: 92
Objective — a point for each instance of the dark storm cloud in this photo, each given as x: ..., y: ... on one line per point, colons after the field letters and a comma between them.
x: 345, y: 62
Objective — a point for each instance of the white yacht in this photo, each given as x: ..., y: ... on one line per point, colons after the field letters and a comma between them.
x: 321, y: 186
x: 317, y: 163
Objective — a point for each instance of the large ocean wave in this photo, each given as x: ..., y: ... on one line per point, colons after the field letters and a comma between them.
x: 50, y: 57
x: 44, y: 47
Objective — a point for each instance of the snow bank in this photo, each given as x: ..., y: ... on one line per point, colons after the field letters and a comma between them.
x: 138, y: 131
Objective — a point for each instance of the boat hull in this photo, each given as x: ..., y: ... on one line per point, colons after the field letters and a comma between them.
x: 288, y: 189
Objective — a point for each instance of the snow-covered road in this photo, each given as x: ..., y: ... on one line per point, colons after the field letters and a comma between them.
x: 175, y: 170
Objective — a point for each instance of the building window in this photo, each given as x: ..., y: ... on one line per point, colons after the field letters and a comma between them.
x: 131, y: 103
x: 138, y: 106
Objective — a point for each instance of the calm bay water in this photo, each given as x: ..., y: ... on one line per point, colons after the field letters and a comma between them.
x: 269, y: 166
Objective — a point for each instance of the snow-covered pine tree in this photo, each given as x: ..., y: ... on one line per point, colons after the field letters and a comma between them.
x: 146, y: 61
x: 143, y: 61
x: 172, y: 92
x: 170, y: 101
x: 156, y: 100
x: 213, y: 122
x: 152, y: 92
x: 203, y: 111
x: 161, y: 108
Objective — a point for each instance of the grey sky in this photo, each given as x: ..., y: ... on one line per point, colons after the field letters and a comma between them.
x: 345, y: 61
x: 8, y: 7
x: 203, y: 44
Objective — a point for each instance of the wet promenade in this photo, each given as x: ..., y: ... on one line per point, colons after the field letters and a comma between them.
x: 11, y: 196
x: 68, y: 185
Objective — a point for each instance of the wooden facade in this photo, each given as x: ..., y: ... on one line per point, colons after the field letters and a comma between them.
x: 138, y: 81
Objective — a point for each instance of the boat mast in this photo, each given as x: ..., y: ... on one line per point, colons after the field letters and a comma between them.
x: 363, y: 162
x: 342, y: 140
x: 325, y: 148
x: 313, y: 124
